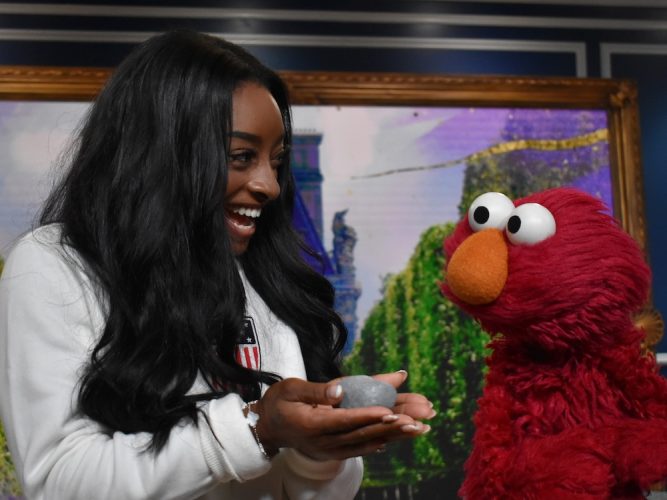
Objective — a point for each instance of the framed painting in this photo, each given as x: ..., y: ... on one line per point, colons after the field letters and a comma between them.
x: 385, y: 165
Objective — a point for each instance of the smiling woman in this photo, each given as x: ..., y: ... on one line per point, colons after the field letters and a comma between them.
x: 164, y: 308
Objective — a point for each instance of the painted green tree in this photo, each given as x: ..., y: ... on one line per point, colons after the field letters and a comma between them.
x: 9, y: 485
x: 415, y: 328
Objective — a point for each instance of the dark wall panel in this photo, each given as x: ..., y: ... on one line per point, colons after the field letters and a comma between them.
x: 650, y: 72
x: 418, y: 61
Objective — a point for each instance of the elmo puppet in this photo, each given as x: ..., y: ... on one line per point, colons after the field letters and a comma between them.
x: 573, y: 408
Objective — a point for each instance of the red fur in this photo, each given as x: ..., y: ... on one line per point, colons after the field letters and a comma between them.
x: 572, y: 408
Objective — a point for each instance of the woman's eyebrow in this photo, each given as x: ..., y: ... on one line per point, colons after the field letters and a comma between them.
x: 244, y: 135
x: 247, y: 136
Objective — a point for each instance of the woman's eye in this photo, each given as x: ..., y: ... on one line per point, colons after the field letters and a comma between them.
x: 530, y: 223
x: 278, y: 160
x: 489, y: 210
x: 239, y: 158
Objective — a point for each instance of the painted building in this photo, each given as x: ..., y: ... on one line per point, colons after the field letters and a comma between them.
x: 338, y: 265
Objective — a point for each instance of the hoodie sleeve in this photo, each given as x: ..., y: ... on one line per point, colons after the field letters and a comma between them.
x: 49, y: 321
x: 308, y: 479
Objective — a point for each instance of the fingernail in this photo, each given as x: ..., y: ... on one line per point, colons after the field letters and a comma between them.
x: 390, y: 418
x: 334, y: 391
x: 427, y: 428
x: 432, y: 414
x: 381, y: 449
x: 409, y: 428
x: 404, y: 372
x: 430, y: 405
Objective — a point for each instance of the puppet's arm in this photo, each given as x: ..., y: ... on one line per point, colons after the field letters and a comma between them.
x: 573, y: 464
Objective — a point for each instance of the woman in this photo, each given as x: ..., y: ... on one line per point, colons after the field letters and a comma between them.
x: 159, y: 326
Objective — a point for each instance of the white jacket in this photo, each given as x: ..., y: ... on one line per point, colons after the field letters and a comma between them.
x: 49, y: 321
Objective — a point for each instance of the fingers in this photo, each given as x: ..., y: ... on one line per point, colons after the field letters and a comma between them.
x: 366, y: 440
x: 412, y: 398
x: 297, y: 390
x: 415, y: 405
x: 395, y: 379
x: 341, y: 420
x: 401, y: 428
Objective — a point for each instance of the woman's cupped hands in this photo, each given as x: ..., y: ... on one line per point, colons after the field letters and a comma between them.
x: 304, y: 415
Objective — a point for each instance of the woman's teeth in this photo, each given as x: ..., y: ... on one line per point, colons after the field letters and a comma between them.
x: 248, y: 212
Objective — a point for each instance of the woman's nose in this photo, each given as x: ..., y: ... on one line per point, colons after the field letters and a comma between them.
x: 264, y: 182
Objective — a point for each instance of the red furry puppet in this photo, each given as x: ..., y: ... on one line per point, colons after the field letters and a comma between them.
x: 572, y: 406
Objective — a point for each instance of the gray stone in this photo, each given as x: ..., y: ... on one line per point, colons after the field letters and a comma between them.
x: 362, y: 390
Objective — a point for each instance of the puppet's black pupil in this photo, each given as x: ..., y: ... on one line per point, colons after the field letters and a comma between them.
x: 481, y: 215
x: 514, y: 224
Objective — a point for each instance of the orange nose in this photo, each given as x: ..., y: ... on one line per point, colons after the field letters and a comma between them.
x: 477, y: 271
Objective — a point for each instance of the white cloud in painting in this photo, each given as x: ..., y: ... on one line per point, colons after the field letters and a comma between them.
x: 348, y: 145
x: 32, y: 136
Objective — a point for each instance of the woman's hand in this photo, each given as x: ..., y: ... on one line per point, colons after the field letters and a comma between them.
x: 407, y: 403
x: 301, y: 415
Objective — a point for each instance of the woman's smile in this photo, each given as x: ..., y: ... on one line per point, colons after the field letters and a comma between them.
x: 241, y: 222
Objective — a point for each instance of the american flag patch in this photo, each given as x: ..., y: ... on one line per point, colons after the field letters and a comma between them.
x: 247, y: 348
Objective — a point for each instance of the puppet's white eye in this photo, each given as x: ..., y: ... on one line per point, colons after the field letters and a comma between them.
x: 530, y: 223
x: 489, y: 210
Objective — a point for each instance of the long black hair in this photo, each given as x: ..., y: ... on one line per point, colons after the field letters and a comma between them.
x: 142, y: 204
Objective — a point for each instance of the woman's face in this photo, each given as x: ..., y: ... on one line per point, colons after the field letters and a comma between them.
x: 256, y: 153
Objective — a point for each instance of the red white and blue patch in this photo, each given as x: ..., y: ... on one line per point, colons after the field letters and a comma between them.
x: 247, y: 351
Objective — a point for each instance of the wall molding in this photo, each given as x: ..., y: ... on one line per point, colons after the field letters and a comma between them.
x: 608, y: 49
x: 333, y: 16
x: 577, y: 49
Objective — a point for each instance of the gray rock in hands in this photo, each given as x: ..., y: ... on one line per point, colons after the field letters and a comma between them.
x: 362, y: 390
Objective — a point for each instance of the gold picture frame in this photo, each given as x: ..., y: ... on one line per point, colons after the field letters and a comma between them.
x: 617, y: 97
